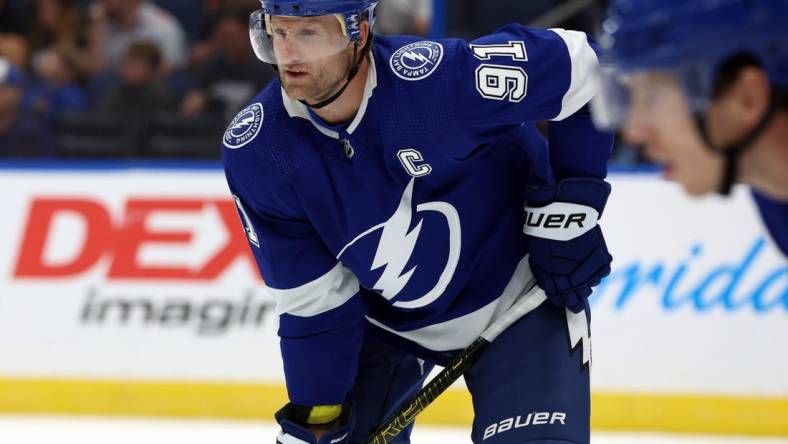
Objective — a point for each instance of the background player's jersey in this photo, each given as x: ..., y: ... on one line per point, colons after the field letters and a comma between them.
x: 408, y: 220
x: 775, y: 217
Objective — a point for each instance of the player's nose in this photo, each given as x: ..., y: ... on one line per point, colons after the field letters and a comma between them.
x: 289, y: 53
x: 636, y: 128
x: 635, y: 135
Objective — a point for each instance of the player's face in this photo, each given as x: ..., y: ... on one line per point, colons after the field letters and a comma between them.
x: 660, y: 121
x: 313, y: 56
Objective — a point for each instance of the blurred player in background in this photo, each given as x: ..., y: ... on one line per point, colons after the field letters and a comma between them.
x: 381, y: 182
x: 703, y: 87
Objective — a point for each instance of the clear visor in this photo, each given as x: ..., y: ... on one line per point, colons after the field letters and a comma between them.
x: 286, y: 40
x: 610, y: 104
x: 628, y: 98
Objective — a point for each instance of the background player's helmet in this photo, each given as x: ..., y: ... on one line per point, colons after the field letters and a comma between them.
x: 690, y: 38
x: 317, y: 43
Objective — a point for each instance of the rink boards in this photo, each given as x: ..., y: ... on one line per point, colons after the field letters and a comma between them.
x: 132, y: 291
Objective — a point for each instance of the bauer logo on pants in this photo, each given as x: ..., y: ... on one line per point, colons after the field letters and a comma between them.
x: 417, y: 60
x: 244, y: 126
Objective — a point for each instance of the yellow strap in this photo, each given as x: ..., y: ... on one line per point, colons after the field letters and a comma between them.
x: 342, y: 25
x: 323, y: 414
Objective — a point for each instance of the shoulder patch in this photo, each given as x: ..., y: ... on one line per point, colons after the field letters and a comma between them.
x: 416, y: 61
x: 244, y: 126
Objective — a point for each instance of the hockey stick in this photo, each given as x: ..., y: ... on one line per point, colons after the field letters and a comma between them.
x: 456, y: 368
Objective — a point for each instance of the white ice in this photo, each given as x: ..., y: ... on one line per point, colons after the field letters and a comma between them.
x: 85, y: 430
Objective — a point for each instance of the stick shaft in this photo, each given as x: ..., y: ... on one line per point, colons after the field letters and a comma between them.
x: 456, y: 368
x: 429, y: 393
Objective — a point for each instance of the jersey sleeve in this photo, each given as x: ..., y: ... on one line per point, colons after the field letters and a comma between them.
x: 321, y: 314
x: 578, y: 148
x: 517, y: 75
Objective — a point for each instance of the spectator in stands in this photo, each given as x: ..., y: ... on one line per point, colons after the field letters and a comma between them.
x: 13, y: 29
x: 141, y: 91
x: 404, y: 17
x: 233, y: 75
x: 21, y: 133
x: 117, y: 23
x: 205, y: 48
x: 58, y: 85
x: 57, y: 23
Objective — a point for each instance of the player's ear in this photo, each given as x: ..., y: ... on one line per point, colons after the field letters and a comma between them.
x: 751, y: 94
x: 365, y: 33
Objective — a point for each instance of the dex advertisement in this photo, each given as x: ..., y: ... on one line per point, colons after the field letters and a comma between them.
x: 146, y: 274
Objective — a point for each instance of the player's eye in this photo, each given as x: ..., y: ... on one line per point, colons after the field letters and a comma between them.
x: 307, y: 33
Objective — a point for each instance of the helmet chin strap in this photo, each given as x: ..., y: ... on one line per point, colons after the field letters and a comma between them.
x: 733, y: 152
x: 354, y: 67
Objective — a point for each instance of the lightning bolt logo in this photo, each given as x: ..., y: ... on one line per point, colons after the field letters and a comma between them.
x: 418, y: 58
x: 244, y: 122
x: 578, y: 333
x: 396, y: 247
x: 244, y: 127
x: 397, y: 244
x: 416, y: 61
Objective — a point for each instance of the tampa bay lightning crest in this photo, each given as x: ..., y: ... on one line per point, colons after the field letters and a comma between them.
x: 401, y: 251
x: 244, y: 126
x: 417, y: 61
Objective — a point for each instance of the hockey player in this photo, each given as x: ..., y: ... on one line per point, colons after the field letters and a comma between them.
x: 703, y: 87
x: 381, y: 183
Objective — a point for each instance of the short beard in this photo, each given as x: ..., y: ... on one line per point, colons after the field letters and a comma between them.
x: 326, y: 78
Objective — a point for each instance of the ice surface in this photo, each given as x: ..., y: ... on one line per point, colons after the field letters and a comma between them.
x: 89, y: 430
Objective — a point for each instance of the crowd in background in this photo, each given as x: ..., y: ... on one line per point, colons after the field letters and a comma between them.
x: 161, y: 78
x: 108, y: 78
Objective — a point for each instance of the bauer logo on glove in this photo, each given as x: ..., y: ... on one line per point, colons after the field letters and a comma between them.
x: 560, y: 221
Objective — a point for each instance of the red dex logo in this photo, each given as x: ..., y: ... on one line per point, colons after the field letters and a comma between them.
x: 121, y: 240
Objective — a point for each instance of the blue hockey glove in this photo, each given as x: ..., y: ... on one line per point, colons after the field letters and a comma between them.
x: 295, y: 424
x: 568, y: 254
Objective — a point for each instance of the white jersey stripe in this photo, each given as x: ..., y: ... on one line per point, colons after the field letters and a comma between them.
x: 285, y: 438
x: 325, y: 293
x: 297, y: 109
x: 458, y: 333
x: 584, y: 64
x: 371, y: 84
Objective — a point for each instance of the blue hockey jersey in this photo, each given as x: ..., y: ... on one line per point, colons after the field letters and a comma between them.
x: 775, y: 217
x: 409, y: 218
